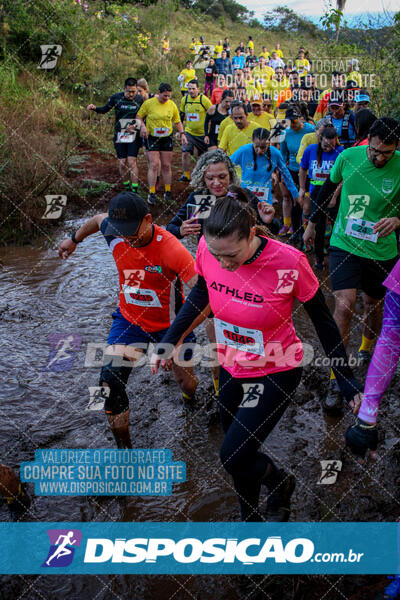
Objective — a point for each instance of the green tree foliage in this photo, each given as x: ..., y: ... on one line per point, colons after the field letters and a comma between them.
x: 235, y: 11
x: 286, y: 20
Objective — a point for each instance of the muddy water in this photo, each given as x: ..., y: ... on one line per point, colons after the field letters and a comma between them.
x: 42, y: 296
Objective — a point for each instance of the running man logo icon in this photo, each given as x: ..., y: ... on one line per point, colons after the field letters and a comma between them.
x: 204, y: 205
x: 286, y: 280
x: 133, y: 277
x: 97, y: 397
x: 357, y: 205
x: 62, y: 352
x: 62, y: 547
x: 54, y: 206
x: 330, y: 471
x: 128, y: 131
x: 50, y: 54
x: 202, y: 57
x: 252, y: 393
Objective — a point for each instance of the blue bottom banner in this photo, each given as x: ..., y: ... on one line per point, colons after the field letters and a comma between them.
x: 199, y: 548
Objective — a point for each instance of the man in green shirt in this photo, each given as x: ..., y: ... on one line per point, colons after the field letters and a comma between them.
x: 363, y: 244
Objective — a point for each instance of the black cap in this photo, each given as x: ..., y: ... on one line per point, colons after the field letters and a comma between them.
x: 352, y: 85
x: 292, y: 114
x: 125, y: 213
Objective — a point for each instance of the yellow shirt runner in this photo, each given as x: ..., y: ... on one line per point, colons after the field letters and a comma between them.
x: 223, y: 125
x: 263, y: 120
x: 233, y: 138
x: 188, y: 75
x: 159, y: 116
x: 306, y: 140
x: 355, y: 76
x: 195, y: 110
x: 218, y: 50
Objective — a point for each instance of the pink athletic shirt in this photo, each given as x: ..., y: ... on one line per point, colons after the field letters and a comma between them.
x: 253, y: 307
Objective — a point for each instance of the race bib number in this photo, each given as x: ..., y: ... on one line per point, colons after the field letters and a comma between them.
x: 161, y: 131
x: 193, y: 117
x: 124, y: 136
x: 321, y: 174
x: 262, y: 193
x: 240, y: 338
x: 362, y: 230
x: 140, y: 296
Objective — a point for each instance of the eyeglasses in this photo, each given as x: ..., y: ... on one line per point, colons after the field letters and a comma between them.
x: 385, y: 153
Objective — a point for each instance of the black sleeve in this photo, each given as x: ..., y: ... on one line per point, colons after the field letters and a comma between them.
x: 324, y: 197
x: 206, y: 122
x: 174, y: 226
x: 194, y: 304
x: 108, y: 106
x: 331, y: 340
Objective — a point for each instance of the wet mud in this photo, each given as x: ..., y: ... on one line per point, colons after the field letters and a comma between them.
x: 42, y: 296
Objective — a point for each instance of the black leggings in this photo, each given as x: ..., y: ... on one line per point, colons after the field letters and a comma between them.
x: 249, y: 410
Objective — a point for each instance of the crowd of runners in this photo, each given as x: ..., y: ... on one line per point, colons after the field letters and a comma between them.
x: 282, y: 178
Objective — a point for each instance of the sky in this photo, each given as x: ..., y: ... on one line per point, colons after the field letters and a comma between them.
x: 314, y: 8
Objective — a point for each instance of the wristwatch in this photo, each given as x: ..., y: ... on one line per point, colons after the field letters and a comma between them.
x: 73, y: 238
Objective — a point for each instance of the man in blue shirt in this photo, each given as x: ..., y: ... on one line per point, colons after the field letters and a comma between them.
x: 224, y: 64
x: 238, y: 61
x: 342, y: 119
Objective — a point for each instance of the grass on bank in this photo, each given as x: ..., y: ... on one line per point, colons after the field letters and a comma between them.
x: 43, y: 116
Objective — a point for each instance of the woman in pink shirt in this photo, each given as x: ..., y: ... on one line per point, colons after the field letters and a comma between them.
x: 251, y: 282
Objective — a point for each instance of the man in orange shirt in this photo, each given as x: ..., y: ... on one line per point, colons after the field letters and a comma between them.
x: 149, y: 260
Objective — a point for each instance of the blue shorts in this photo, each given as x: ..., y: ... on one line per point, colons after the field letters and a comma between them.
x: 124, y: 332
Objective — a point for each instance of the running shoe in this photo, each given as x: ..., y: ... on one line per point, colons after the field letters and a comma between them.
x: 364, y: 358
x: 291, y: 230
x: 284, y: 230
x: 392, y: 590
x: 333, y: 402
x: 151, y: 199
x: 167, y: 197
x: 278, y: 502
x: 183, y: 178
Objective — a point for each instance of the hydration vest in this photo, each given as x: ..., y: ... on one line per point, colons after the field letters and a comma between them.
x: 344, y: 136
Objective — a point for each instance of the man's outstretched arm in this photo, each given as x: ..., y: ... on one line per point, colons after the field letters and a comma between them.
x: 67, y: 246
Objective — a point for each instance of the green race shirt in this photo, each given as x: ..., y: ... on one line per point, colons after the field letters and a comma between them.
x: 368, y: 194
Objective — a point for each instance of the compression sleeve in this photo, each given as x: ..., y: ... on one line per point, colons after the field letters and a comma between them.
x: 384, y: 361
x: 108, y: 106
x: 194, y: 304
x: 331, y: 340
x: 206, y: 122
x: 324, y: 197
